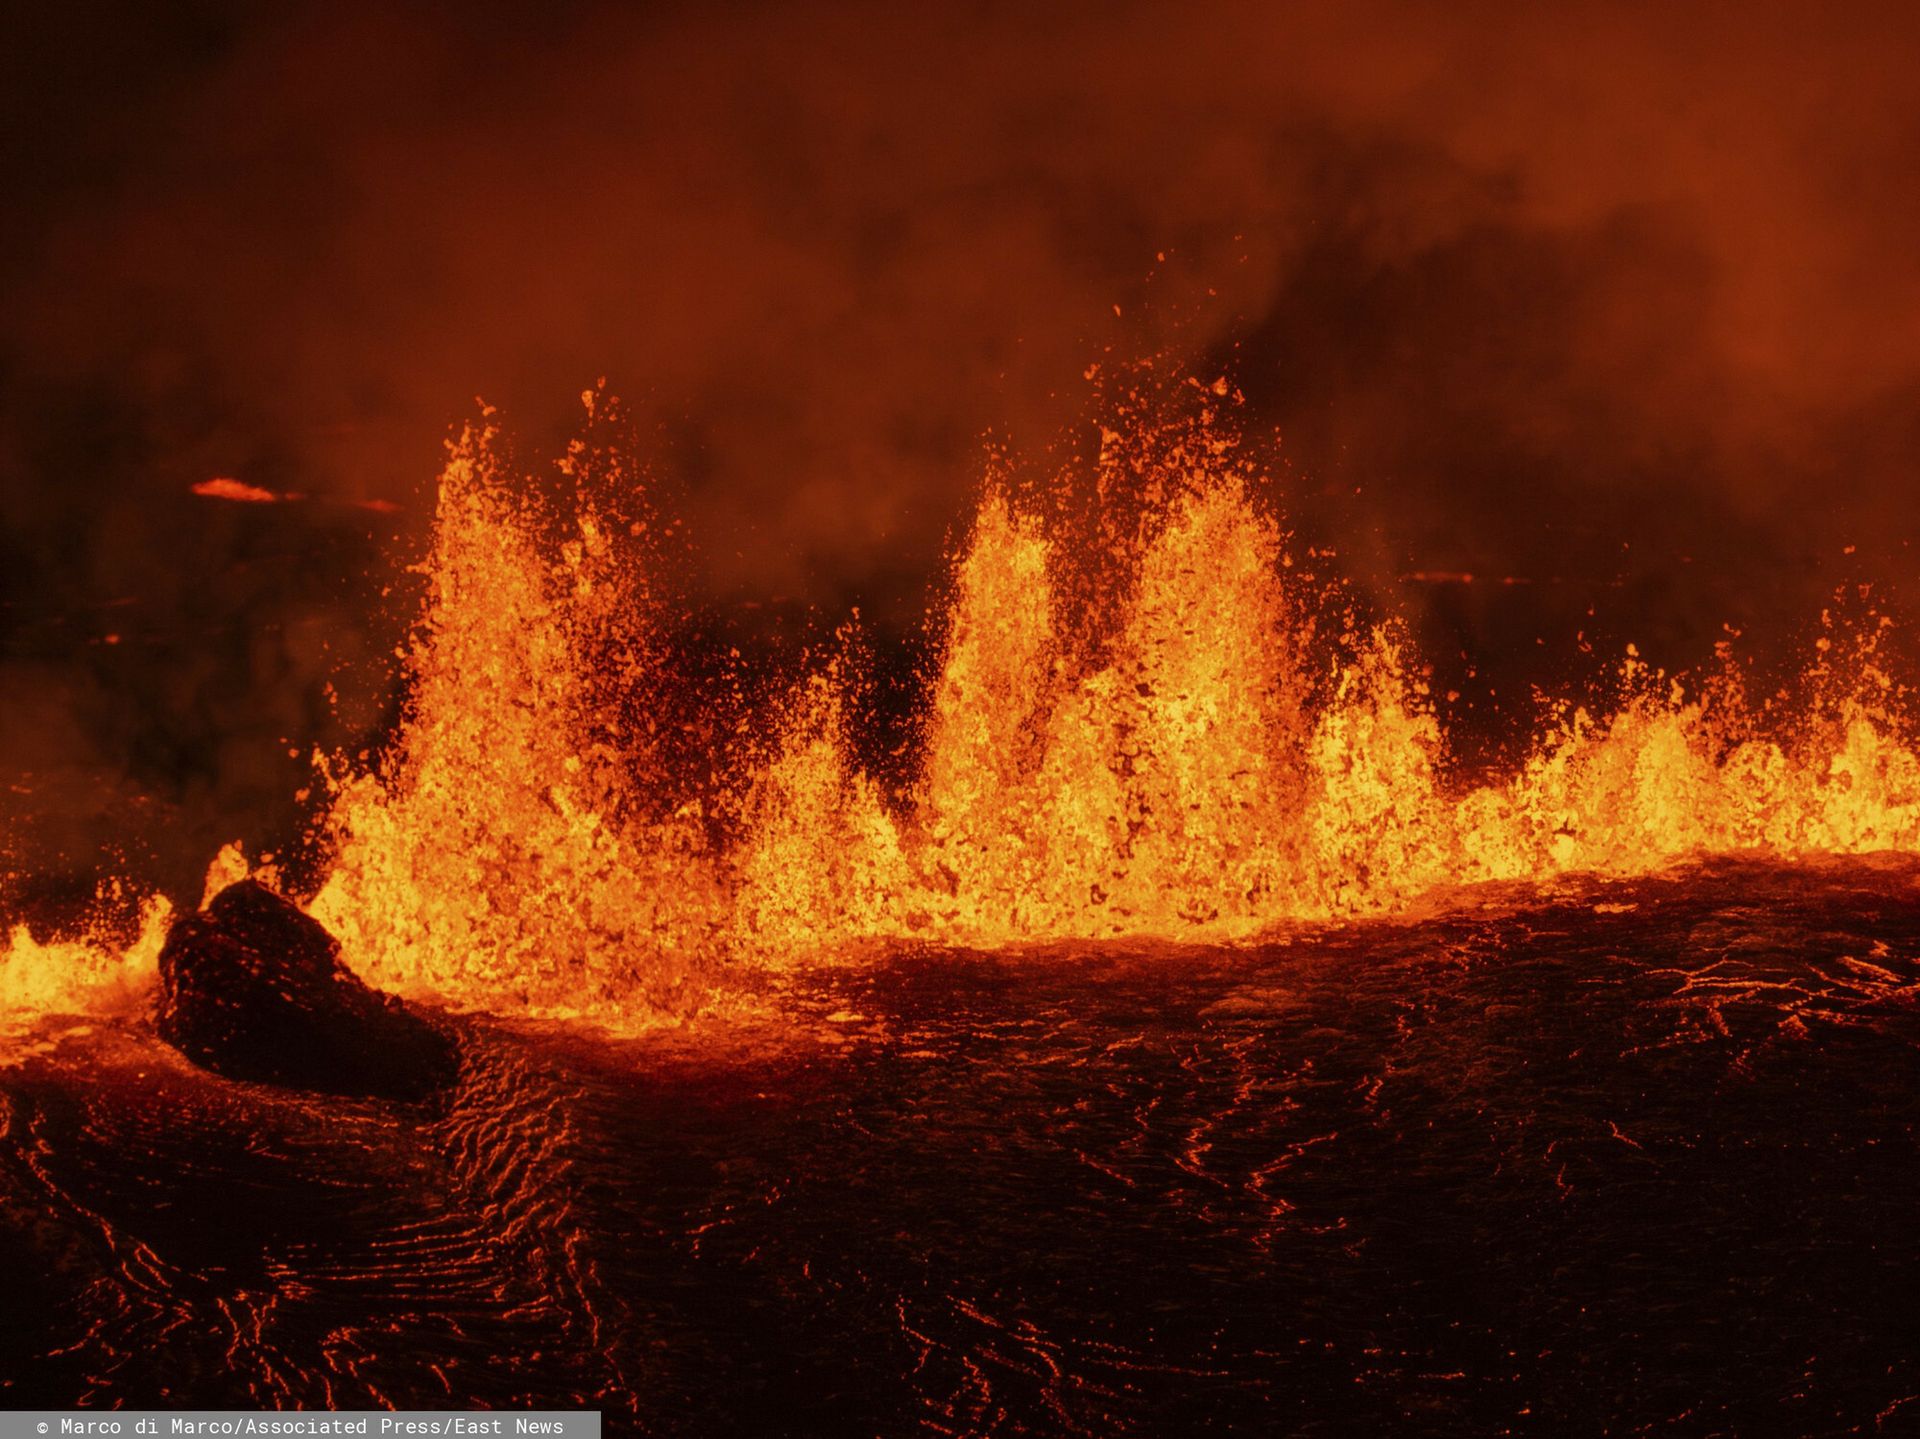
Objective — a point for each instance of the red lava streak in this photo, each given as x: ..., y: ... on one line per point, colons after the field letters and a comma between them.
x: 225, y: 487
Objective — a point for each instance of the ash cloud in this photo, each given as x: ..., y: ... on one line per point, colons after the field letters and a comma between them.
x: 1617, y: 301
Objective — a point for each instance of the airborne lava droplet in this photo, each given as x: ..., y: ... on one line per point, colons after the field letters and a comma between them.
x: 225, y: 487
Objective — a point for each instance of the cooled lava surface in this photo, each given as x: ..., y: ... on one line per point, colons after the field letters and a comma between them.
x: 1624, y: 1156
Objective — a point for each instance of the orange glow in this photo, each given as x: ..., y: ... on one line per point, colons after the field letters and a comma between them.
x: 225, y: 487
x: 1215, y: 770
x: 97, y: 971
x: 1210, y: 760
x: 490, y: 863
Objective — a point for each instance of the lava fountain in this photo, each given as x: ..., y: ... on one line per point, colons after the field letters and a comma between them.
x: 740, y: 1075
x: 1226, y: 752
x: 1214, y: 748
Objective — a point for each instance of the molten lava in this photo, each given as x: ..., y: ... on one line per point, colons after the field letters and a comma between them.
x: 1203, y: 751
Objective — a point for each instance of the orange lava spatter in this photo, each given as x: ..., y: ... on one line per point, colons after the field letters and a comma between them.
x: 1206, y: 762
x: 107, y: 967
x: 490, y: 860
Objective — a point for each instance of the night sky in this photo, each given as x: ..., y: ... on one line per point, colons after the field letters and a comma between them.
x: 1620, y: 302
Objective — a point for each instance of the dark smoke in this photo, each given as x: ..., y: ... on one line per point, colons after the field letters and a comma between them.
x: 1614, y: 302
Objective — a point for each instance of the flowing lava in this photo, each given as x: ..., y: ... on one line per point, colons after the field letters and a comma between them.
x: 1175, y: 738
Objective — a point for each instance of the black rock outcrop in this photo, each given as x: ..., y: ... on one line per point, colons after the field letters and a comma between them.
x: 253, y: 988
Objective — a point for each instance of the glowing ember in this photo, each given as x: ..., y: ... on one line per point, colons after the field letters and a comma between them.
x: 225, y: 487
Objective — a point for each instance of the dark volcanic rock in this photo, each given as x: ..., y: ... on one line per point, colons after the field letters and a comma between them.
x: 1624, y: 1158
x: 253, y: 988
